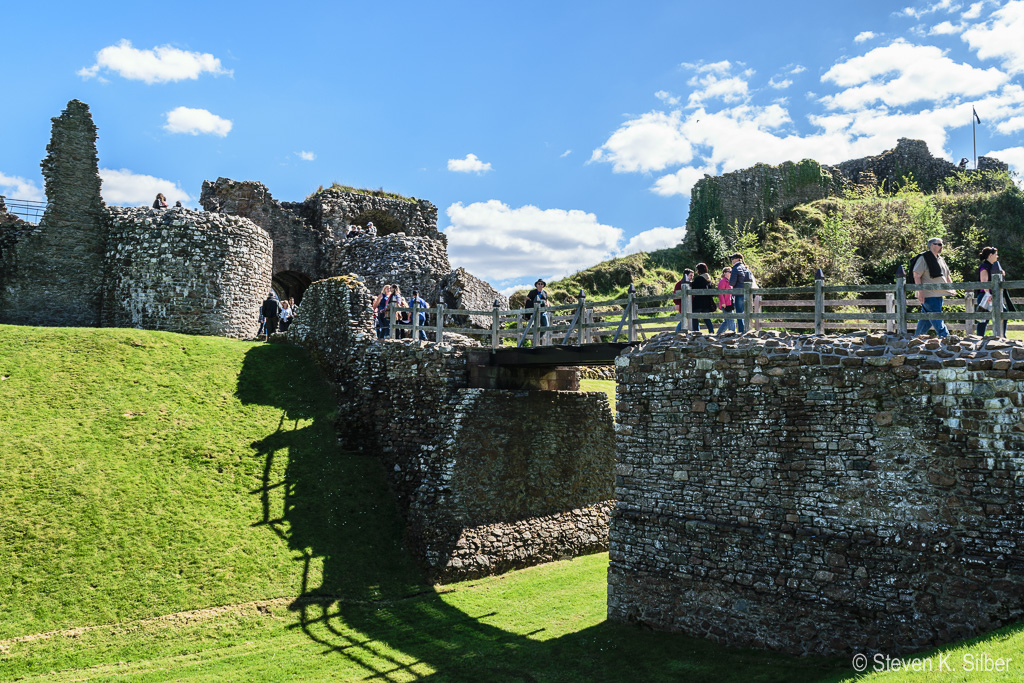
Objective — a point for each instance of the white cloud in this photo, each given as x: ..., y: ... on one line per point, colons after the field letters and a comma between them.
x: 1001, y: 37
x: 974, y: 11
x: 712, y: 86
x: 647, y: 143
x: 779, y: 85
x: 16, y: 187
x: 902, y: 73
x: 497, y: 242
x: 125, y: 188
x: 1011, y: 125
x: 1014, y: 156
x: 655, y: 238
x: 196, y: 121
x: 509, y: 291
x: 159, y: 65
x: 945, y: 28
x: 471, y: 164
x: 565, y: 154
x: 682, y: 181
x: 667, y: 97
x: 863, y: 36
x: 722, y: 67
x: 798, y: 69
x: 941, y: 6
x: 307, y: 156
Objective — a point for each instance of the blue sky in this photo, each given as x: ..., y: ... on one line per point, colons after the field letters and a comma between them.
x: 549, y: 135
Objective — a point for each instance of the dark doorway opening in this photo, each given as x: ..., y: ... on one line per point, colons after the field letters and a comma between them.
x: 291, y: 284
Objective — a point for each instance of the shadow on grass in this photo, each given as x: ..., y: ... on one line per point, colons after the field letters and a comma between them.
x: 364, y: 599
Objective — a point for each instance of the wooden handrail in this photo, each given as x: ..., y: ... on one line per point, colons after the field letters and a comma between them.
x: 615, y: 318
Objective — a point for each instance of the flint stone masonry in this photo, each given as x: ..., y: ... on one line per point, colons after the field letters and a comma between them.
x: 413, y: 263
x: 53, y: 274
x: 462, y: 289
x: 186, y: 271
x: 763, y: 192
x: 486, y: 479
x: 817, y: 494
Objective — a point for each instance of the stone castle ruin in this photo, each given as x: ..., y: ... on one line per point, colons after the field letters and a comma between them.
x: 762, y: 192
x: 206, y: 272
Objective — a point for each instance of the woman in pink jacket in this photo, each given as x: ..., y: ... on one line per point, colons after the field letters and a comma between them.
x: 725, y: 302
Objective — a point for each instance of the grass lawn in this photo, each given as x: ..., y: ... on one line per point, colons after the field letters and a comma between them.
x: 177, y: 507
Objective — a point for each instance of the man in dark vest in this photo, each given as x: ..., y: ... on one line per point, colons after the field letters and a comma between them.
x: 271, y: 310
x: 930, y: 268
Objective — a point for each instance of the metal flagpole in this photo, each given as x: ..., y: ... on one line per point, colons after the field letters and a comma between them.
x: 974, y: 134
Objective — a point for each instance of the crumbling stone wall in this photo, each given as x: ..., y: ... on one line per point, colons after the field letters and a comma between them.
x: 819, y: 494
x: 413, y: 263
x: 185, y: 271
x: 763, y: 192
x: 53, y: 274
x: 334, y: 210
x: 486, y: 479
x: 760, y: 193
x: 298, y: 244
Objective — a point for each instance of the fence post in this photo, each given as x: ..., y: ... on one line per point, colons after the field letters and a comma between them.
x: 414, y: 319
x: 439, y: 323
x: 758, y: 323
x: 968, y: 309
x: 536, y: 323
x: 581, y: 319
x: 997, y: 304
x: 748, y: 299
x: 393, y: 320
x: 901, y: 301
x: 686, y: 306
x: 819, y: 302
x: 494, y: 325
x: 631, y: 313
x: 890, y: 308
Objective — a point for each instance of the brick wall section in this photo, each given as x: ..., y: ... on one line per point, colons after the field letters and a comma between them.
x: 480, y: 492
x: 413, y: 263
x: 819, y: 494
x: 53, y: 275
x: 185, y: 271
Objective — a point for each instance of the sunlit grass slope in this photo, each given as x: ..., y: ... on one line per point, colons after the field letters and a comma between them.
x: 144, y: 473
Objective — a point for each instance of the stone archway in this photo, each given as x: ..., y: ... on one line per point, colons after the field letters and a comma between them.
x: 385, y: 223
x: 291, y: 284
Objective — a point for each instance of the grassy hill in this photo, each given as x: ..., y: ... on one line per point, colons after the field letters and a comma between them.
x: 857, y: 239
x: 179, y: 508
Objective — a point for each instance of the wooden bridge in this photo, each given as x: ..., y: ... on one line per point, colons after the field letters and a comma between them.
x: 593, y: 333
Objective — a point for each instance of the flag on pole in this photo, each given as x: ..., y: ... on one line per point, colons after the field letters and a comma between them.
x: 976, y: 116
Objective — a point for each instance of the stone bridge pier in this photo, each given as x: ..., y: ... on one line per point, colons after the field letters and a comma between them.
x: 816, y: 494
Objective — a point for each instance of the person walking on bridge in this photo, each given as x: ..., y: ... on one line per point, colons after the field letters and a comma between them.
x: 930, y: 268
x: 739, y: 276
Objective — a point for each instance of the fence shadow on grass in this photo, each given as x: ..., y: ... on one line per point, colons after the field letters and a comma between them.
x: 364, y: 599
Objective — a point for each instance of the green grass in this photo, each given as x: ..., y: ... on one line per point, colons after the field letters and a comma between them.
x: 605, y: 385
x: 177, y: 508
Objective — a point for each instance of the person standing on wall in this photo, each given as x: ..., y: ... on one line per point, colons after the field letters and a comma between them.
x: 739, y: 276
x: 705, y: 303
x: 272, y: 313
x: 725, y: 302
x: 989, y: 266
x: 160, y: 202
x: 537, y: 294
x: 678, y: 301
x: 421, y: 313
x: 930, y: 268
x: 380, y: 309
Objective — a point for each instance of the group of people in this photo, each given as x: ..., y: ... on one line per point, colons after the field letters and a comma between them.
x: 733, y: 277
x: 356, y: 230
x: 276, y: 314
x: 929, y: 267
x: 161, y: 202
x: 391, y: 297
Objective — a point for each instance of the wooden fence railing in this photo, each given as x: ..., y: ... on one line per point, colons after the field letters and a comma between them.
x: 636, y: 318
